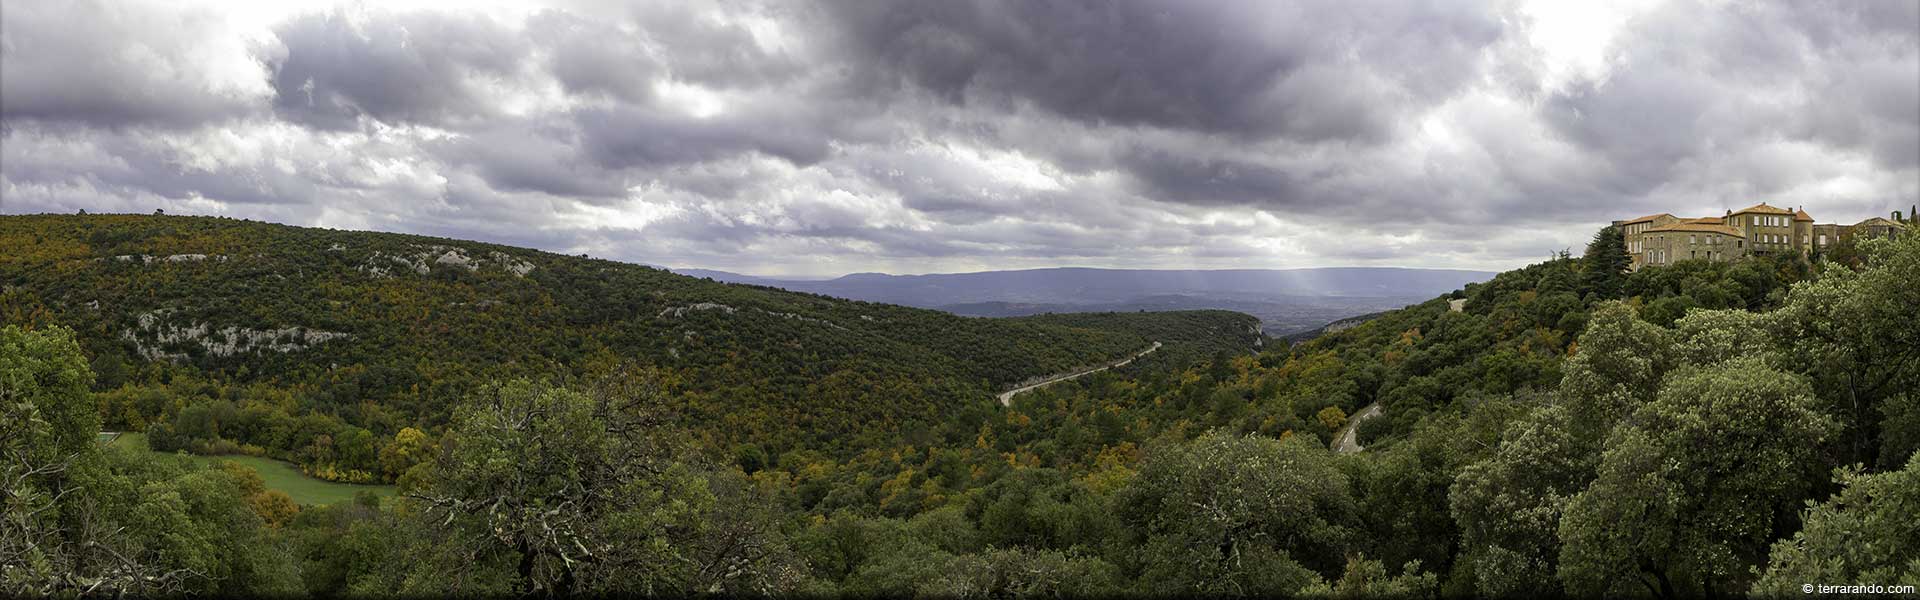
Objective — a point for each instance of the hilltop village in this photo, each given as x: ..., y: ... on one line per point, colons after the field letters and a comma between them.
x: 1761, y: 229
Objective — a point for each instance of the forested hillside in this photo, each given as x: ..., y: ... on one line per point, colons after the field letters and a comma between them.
x: 1571, y: 429
x: 320, y: 346
x: 1568, y: 429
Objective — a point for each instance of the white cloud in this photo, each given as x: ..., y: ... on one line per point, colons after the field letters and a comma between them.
x: 917, y: 137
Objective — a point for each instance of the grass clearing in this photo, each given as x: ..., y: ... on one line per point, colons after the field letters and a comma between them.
x: 278, y: 475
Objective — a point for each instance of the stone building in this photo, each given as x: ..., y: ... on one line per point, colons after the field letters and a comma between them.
x: 1761, y: 229
x: 1692, y: 239
x: 1880, y: 227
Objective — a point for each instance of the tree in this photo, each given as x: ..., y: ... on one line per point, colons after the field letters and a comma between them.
x: 1604, y: 266
x: 1227, y: 514
x: 1509, y: 506
x: 1620, y: 362
x: 1402, y: 490
x: 1365, y: 578
x: 1023, y: 573
x: 1855, y: 334
x: 1708, y: 337
x: 1332, y: 418
x: 59, y: 532
x: 109, y: 371
x: 583, y: 493
x: 1865, y: 533
x: 410, y: 447
x: 275, y: 507
x: 46, y: 441
x: 46, y: 379
x: 1689, y: 487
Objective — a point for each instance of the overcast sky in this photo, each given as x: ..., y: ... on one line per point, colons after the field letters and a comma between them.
x: 951, y: 135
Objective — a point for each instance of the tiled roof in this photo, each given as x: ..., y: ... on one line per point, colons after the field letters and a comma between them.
x: 1801, y: 215
x: 1764, y: 208
x: 1701, y: 228
x: 1645, y: 219
x: 1880, y: 222
x: 1708, y: 221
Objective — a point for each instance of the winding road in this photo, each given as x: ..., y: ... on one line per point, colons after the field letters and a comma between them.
x: 1006, y: 397
x: 1348, y: 441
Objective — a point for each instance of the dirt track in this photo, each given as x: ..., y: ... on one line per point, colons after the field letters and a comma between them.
x: 1006, y: 397
x: 1349, y: 438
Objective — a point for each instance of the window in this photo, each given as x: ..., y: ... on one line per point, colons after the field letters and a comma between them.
x: 1823, y: 239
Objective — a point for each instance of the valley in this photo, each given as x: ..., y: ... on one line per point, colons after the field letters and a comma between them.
x: 1006, y: 397
x: 818, y: 443
x: 1287, y: 302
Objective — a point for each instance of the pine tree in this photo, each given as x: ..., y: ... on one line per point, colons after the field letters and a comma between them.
x: 1605, y: 264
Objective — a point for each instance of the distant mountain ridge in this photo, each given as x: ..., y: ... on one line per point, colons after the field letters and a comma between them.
x: 1286, y: 300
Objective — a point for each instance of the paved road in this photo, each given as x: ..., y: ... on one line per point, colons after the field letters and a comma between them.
x: 1006, y: 397
x: 1350, y: 439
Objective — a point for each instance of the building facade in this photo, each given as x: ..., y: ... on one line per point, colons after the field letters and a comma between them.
x: 1758, y: 230
x: 1880, y: 227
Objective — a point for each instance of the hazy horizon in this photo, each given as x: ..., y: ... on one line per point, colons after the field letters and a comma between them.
x: 1058, y: 267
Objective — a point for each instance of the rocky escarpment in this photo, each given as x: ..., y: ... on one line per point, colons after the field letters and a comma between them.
x: 157, y: 336
x: 426, y: 258
x: 174, y: 258
x: 681, y: 311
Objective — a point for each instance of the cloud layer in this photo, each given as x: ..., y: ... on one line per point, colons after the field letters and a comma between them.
x: 777, y: 137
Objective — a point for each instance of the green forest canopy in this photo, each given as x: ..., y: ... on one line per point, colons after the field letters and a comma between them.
x: 1575, y: 429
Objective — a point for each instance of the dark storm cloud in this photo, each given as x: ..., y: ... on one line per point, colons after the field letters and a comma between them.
x: 594, y: 56
x: 1185, y: 178
x: 532, y: 156
x: 1696, y: 81
x: 1312, y: 71
x: 415, y: 67
x: 109, y: 64
x: 910, y: 135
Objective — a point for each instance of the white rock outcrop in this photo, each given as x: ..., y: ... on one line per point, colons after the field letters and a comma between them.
x: 681, y: 311
x: 146, y: 259
x: 155, y: 333
x: 422, y: 262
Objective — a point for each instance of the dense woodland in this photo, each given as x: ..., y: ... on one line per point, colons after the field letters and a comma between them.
x: 1700, y: 429
x: 383, y: 332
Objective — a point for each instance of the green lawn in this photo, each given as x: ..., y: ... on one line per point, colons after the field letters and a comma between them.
x: 279, y: 475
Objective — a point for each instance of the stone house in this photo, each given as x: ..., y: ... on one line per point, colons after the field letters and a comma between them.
x: 1761, y: 229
